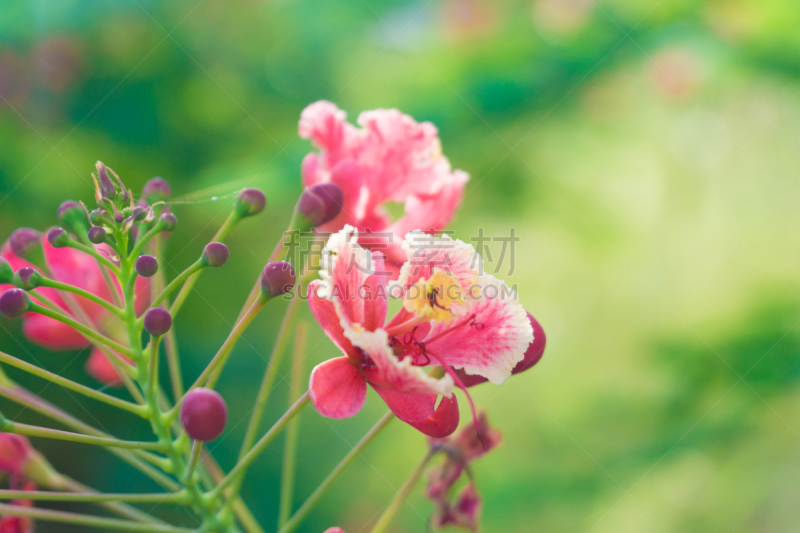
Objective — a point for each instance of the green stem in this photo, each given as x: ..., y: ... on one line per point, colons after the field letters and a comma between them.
x: 290, y: 444
x: 241, y: 510
x: 196, y: 447
x: 31, y: 401
x: 94, y: 253
x: 76, y: 387
x: 223, y: 232
x: 47, y: 515
x: 220, y: 358
x: 152, y: 366
x: 91, y: 497
x: 49, y: 282
x: 47, y: 433
x: 173, y: 359
x: 256, y: 290
x: 194, y: 267
x: 122, y: 509
x: 391, y: 510
x: 157, y: 228
x: 312, y: 500
x: 245, y: 462
x: 86, y: 331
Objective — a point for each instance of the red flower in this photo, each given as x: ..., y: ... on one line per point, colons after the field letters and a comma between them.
x: 391, y: 158
x: 453, y: 316
x: 81, y: 270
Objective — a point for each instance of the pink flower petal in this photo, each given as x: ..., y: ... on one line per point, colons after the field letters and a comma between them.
x: 337, y: 389
x: 354, y: 281
x: 444, y: 420
x: 392, y: 373
x: 100, y: 367
x: 490, y: 339
x: 325, y: 313
x: 51, y: 334
x: 532, y: 356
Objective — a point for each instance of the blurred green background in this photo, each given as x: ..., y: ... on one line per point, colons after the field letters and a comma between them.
x: 644, y: 151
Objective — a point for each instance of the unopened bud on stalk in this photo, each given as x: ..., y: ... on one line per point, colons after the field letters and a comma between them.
x: 26, y: 278
x: 215, y: 254
x: 277, y: 278
x: 319, y: 204
x: 107, y: 187
x: 169, y: 221
x: 146, y: 266
x: 27, y: 244
x: 156, y: 190
x: 58, y: 238
x: 249, y: 202
x: 14, y: 303
x: 157, y: 322
x: 6, y: 271
x: 203, y: 414
x: 98, y: 216
x: 97, y: 234
x: 72, y: 215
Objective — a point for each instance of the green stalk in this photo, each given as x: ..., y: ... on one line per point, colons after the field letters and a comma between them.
x: 312, y: 500
x: 290, y: 444
x: 240, y: 508
x: 157, y: 228
x: 194, y: 267
x: 223, y: 232
x: 8, y: 426
x: 152, y: 366
x: 391, y: 510
x: 94, y: 253
x: 47, y: 515
x: 86, y: 331
x: 92, y: 497
x: 76, y: 387
x: 245, y: 462
x: 54, y: 284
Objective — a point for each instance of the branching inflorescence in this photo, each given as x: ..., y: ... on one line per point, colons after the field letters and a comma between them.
x: 96, y: 282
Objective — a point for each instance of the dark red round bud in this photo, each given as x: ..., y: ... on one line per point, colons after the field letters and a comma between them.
x: 72, y: 214
x: 58, y: 238
x: 157, y: 321
x: 24, y: 242
x: 14, y: 303
x: 249, y: 202
x: 146, y: 265
x: 6, y: 271
x: 320, y: 203
x: 97, y: 234
x: 169, y: 221
x: 156, y: 190
x: 26, y: 278
x: 277, y: 278
x: 215, y: 254
x: 203, y: 414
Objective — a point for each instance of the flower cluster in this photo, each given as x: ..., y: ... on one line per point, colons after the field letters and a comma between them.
x: 96, y: 282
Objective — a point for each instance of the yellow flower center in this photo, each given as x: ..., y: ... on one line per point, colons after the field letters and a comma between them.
x: 432, y: 298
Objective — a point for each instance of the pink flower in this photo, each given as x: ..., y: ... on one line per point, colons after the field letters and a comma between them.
x: 391, y: 158
x: 76, y: 268
x: 462, y: 513
x: 453, y: 316
x: 334, y: 530
x: 15, y: 451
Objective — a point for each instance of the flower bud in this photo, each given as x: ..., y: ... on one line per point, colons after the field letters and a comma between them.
x: 107, y: 187
x: 277, y: 278
x: 26, y: 278
x: 146, y: 265
x: 58, y: 238
x: 97, y: 234
x: 97, y: 216
x: 249, y: 202
x: 157, y: 322
x: 320, y: 203
x: 156, y: 190
x: 215, y: 254
x: 14, y: 303
x: 26, y: 243
x: 6, y: 271
x: 169, y: 221
x: 72, y: 215
x: 203, y: 414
